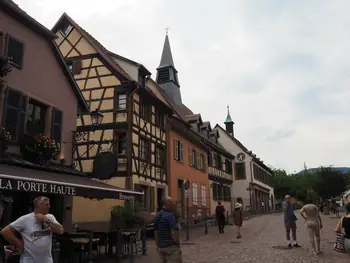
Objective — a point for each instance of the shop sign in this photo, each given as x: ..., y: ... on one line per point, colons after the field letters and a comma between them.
x: 28, y: 186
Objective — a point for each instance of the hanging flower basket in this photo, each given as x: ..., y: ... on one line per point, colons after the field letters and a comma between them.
x: 40, y: 149
x: 5, y: 137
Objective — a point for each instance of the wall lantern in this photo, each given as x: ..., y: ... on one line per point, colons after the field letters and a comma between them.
x: 96, y: 117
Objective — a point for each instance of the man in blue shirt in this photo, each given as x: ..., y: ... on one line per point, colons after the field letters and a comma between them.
x: 290, y: 222
x: 167, y: 233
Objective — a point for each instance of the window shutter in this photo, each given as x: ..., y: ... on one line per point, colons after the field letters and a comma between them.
x: 176, y: 150
x: 181, y: 155
x: 2, y: 41
x: 14, y: 114
x: 14, y: 50
x: 76, y: 67
x: 56, y: 125
x: 152, y: 199
x: 190, y: 156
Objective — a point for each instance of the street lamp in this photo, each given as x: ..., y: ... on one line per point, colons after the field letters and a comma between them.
x: 96, y: 117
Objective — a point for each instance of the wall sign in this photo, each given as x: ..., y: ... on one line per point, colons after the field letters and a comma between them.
x: 50, y: 188
x: 28, y: 186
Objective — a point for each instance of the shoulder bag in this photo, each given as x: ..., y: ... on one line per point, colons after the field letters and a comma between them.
x: 339, y: 244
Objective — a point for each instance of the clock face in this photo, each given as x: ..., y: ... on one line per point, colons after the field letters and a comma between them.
x: 240, y: 157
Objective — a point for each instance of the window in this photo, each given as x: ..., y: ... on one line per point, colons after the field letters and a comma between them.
x: 194, y: 194
x: 36, y: 115
x: 144, y: 150
x: 122, y: 142
x: 160, y: 156
x: 146, y: 111
x: 227, y: 193
x: 215, y: 191
x: 14, y: 50
x: 192, y: 157
x: 159, y: 118
x: 163, y: 75
x: 178, y: 150
x: 65, y: 28
x: 204, y: 195
x: 240, y: 171
x: 56, y: 126
x: 121, y: 101
x: 218, y: 161
x: 228, y: 164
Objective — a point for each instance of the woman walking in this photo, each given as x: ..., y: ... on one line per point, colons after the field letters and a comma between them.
x: 238, y: 217
x: 344, y: 223
x: 313, y: 224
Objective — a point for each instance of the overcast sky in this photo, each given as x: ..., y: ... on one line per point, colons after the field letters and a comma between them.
x: 282, y: 66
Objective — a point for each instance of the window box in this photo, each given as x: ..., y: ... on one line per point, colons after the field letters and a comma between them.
x: 40, y: 149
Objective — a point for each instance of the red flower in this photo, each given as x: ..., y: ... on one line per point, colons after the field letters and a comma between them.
x: 36, y: 137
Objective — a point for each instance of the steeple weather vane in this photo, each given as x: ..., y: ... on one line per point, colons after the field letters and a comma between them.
x: 167, y: 30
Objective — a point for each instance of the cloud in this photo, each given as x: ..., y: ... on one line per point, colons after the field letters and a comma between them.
x: 282, y: 66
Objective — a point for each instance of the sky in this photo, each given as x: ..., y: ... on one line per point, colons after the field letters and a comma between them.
x: 283, y: 67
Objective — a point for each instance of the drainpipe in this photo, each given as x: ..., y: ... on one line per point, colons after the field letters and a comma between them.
x: 251, y: 184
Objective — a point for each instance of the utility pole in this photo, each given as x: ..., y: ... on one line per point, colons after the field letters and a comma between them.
x: 187, y: 196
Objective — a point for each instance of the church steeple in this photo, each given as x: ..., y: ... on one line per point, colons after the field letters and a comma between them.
x: 167, y: 74
x: 229, y: 123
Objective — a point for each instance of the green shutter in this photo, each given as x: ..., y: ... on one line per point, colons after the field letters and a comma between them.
x: 14, y: 114
x: 56, y: 125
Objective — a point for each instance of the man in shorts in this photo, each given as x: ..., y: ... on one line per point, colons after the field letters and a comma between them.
x: 313, y: 224
x: 36, y: 231
x: 167, y: 233
x: 290, y: 222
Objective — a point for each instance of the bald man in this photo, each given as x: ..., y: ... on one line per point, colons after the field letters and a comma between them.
x: 167, y: 233
x: 290, y: 222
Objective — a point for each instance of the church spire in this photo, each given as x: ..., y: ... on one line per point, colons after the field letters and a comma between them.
x: 167, y: 73
x: 167, y: 57
x: 229, y: 123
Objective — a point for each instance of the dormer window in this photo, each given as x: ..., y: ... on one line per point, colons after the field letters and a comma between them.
x: 65, y: 28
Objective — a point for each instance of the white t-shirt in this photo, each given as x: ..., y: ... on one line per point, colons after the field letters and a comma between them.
x: 37, y: 238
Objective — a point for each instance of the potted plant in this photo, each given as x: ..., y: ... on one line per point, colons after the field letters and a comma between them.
x: 124, y: 217
x: 5, y: 137
x: 40, y: 148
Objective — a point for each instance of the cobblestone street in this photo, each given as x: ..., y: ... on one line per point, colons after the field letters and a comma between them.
x: 263, y: 241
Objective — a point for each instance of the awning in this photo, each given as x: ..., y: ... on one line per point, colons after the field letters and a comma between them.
x: 16, y: 178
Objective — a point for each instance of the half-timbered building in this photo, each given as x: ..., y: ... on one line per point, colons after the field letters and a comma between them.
x: 195, y: 145
x: 39, y: 101
x: 134, y: 127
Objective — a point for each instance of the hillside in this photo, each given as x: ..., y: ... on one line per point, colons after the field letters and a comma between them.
x: 342, y: 169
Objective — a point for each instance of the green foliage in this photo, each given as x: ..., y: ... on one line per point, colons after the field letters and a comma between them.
x: 325, y: 182
x: 125, y: 217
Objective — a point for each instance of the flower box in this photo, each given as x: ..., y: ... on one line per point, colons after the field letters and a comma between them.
x: 40, y: 148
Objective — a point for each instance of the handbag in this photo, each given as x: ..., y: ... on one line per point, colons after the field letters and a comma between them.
x: 339, y: 244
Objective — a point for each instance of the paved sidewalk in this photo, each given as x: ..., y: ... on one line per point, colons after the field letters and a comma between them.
x: 263, y: 242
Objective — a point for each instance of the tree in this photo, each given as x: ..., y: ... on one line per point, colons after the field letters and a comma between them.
x: 331, y: 183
